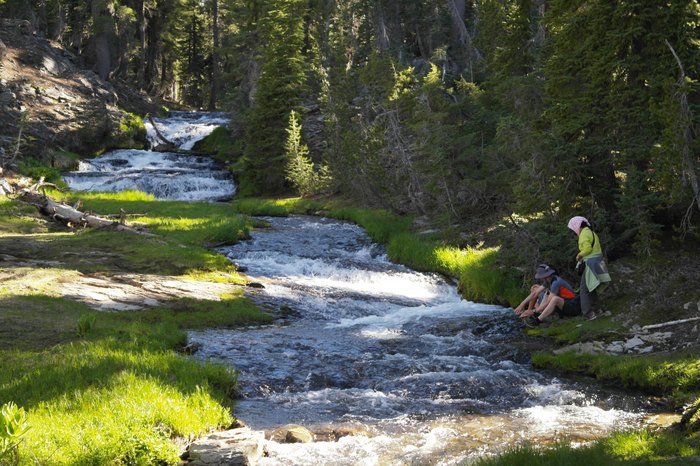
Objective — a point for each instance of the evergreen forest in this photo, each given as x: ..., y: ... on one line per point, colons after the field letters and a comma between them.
x: 464, y: 111
x: 460, y: 135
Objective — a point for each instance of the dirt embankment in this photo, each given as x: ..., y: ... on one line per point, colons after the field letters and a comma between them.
x: 50, y: 103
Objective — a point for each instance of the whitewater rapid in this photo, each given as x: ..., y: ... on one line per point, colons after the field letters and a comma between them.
x: 166, y: 175
x: 387, y: 365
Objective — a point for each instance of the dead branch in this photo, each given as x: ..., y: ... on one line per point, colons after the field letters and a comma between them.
x: 685, y: 120
x: 70, y: 215
x: 158, y: 133
x: 672, y: 322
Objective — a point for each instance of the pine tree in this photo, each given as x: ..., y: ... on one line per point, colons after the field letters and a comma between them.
x: 279, y: 91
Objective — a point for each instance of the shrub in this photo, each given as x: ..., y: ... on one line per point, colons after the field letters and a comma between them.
x: 13, y: 425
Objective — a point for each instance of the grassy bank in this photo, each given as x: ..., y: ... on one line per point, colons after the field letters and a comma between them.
x: 478, y: 276
x: 112, y: 388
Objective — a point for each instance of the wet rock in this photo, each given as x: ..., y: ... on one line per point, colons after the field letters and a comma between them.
x: 235, y: 447
x: 192, y: 347
x: 646, y: 349
x: 633, y: 343
x: 317, y: 381
x: 615, y: 347
x: 255, y: 285
x: 292, y: 434
x: 658, y: 337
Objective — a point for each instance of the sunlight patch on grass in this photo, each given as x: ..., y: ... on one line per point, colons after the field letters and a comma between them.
x: 653, y: 374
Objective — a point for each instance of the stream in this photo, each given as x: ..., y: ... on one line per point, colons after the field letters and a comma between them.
x: 386, y: 365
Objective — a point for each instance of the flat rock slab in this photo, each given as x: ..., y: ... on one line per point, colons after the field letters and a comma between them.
x: 235, y: 447
x: 132, y: 292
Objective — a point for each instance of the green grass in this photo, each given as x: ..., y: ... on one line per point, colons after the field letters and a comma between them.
x: 568, y: 331
x: 624, y: 448
x: 659, y: 375
x: 18, y: 217
x: 120, y: 393
x: 112, y: 388
x: 201, y: 223
x: 479, y: 277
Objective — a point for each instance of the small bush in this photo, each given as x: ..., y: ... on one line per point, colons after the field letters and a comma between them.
x: 86, y: 323
x: 36, y: 169
x: 13, y: 426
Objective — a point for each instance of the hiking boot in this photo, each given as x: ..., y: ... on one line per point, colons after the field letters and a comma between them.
x: 531, y: 322
x: 591, y: 315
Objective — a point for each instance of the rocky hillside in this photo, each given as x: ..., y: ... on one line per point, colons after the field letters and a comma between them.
x: 50, y: 104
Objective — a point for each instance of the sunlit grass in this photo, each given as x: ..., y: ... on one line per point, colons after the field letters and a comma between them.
x: 201, y: 223
x: 661, y: 375
x: 111, y: 388
x: 121, y: 393
x: 635, y: 448
x: 114, y: 400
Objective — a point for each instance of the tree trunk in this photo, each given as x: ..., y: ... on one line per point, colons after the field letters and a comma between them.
x: 214, y: 91
x: 103, y: 23
x: 152, y: 52
x: 382, y: 33
x: 140, y: 8
x: 42, y: 25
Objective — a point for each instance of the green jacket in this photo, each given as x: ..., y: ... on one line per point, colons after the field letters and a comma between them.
x: 591, y: 254
x: 586, y: 245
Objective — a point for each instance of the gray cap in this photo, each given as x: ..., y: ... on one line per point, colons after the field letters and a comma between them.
x: 544, y: 271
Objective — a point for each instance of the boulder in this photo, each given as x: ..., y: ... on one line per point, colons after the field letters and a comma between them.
x: 234, y: 447
x: 633, y: 343
x: 292, y: 434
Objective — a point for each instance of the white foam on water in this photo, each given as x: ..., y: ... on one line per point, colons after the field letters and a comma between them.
x: 165, y: 175
x: 398, y: 317
x: 330, y: 274
x: 185, y: 129
x: 553, y: 418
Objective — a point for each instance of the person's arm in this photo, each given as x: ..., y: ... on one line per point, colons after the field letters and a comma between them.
x: 533, y: 295
x: 585, y: 243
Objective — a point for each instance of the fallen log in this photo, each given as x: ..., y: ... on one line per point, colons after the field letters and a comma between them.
x: 672, y: 322
x: 72, y: 216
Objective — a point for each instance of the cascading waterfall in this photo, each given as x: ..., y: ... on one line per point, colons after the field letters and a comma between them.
x: 165, y: 175
x: 393, y: 357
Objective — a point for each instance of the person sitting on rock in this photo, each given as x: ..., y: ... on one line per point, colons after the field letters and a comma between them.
x: 557, y: 296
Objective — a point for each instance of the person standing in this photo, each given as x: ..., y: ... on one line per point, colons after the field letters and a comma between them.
x: 595, y: 276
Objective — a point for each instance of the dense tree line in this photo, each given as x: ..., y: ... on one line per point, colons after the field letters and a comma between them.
x: 528, y: 110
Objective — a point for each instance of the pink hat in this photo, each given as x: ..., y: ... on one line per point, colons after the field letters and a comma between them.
x: 575, y: 224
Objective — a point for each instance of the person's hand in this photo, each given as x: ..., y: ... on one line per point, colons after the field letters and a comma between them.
x: 578, y: 257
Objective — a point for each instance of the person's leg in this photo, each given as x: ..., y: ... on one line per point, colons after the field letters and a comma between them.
x: 533, y: 302
x: 585, y: 297
x: 555, y: 302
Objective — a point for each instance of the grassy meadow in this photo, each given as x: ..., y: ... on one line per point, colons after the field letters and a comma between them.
x: 106, y: 387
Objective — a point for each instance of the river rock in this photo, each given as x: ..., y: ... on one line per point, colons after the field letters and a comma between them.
x: 235, y: 447
x: 292, y: 434
x: 615, y: 347
x: 658, y: 337
x: 633, y: 343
